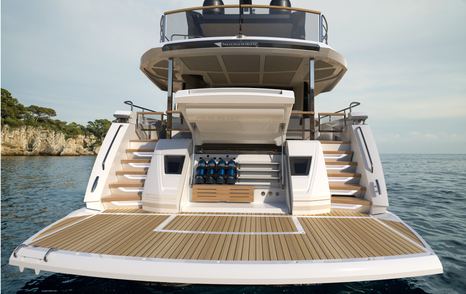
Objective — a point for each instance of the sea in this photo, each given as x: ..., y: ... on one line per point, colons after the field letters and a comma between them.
x: 426, y: 191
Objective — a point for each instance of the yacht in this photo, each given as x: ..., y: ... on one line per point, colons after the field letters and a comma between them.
x: 241, y: 180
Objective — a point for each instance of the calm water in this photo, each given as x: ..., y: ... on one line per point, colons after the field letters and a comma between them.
x: 427, y: 191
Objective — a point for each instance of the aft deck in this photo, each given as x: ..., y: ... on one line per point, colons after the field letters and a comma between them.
x: 340, y: 235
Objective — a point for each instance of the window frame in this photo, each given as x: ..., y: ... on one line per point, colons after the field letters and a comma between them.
x: 181, y: 161
x: 293, y: 160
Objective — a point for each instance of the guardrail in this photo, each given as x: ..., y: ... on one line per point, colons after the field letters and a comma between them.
x: 243, y: 19
x: 336, y: 125
x: 352, y: 105
x: 158, y: 127
x: 307, y: 132
x: 151, y: 125
x: 176, y: 114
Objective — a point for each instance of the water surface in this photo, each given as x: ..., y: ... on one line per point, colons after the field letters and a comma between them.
x: 427, y: 191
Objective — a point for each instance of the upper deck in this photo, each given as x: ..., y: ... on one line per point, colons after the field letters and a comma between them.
x: 243, y: 20
x: 244, y: 46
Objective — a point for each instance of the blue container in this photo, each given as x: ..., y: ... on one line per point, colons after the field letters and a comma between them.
x: 200, y: 172
x: 232, y: 172
x: 221, y: 169
x: 211, y: 171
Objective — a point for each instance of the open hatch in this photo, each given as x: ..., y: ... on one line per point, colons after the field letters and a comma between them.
x: 236, y: 115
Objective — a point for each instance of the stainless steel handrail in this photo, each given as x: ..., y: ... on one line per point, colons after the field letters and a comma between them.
x: 367, y: 148
x: 130, y: 103
x: 350, y: 108
x: 241, y: 6
x: 110, y: 147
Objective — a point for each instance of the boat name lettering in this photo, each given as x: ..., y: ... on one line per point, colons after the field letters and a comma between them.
x: 239, y: 44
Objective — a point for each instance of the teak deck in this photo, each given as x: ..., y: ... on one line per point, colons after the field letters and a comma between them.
x: 229, y: 237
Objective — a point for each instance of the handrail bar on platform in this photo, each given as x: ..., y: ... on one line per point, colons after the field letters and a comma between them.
x: 130, y: 103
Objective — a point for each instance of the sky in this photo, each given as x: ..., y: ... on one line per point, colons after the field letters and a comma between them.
x: 406, y: 62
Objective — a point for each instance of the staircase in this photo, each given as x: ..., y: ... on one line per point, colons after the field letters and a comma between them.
x: 341, y: 170
x: 131, y: 177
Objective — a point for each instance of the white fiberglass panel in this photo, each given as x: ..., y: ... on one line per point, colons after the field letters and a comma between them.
x: 236, y: 115
x: 309, y: 187
x: 163, y: 188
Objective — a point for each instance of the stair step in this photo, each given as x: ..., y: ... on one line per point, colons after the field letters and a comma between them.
x: 349, y: 187
x: 350, y: 200
x: 135, y: 161
x: 140, y: 150
x: 122, y: 197
x: 337, y: 152
x: 335, y: 142
x: 346, y: 189
x: 343, y: 175
x: 139, y: 155
x: 136, y: 183
x: 131, y: 172
x: 336, y: 162
x: 144, y: 140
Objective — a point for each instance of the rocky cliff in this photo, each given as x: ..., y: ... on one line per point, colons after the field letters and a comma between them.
x: 27, y: 140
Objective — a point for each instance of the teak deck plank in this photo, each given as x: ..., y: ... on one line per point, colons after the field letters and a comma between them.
x: 338, y: 239
x: 61, y: 224
x: 172, y: 239
x: 321, y: 248
x: 360, y: 237
x: 354, y: 248
x: 212, y: 237
x: 367, y: 237
x: 221, y: 241
x: 131, y: 239
x: 334, y: 212
x: 400, y: 227
x: 60, y: 238
x: 226, y: 249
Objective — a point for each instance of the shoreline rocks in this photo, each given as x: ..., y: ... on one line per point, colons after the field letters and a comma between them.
x: 33, y: 141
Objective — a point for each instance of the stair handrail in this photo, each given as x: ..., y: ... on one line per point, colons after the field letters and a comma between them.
x: 130, y: 103
x: 110, y: 147
x: 367, y: 148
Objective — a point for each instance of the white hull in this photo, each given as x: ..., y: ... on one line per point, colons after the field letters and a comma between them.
x: 220, y: 272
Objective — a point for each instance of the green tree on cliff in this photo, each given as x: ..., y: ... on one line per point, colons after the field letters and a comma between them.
x: 12, y: 111
x: 15, y: 114
x: 98, y: 128
x: 40, y: 113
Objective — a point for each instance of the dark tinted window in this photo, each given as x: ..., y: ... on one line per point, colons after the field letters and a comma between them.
x: 174, y: 164
x: 300, y: 165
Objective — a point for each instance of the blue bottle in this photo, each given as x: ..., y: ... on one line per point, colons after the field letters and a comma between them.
x: 200, y: 172
x: 211, y: 171
x: 232, y: 172
x: 201, y: 163
x: 221, y: 169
